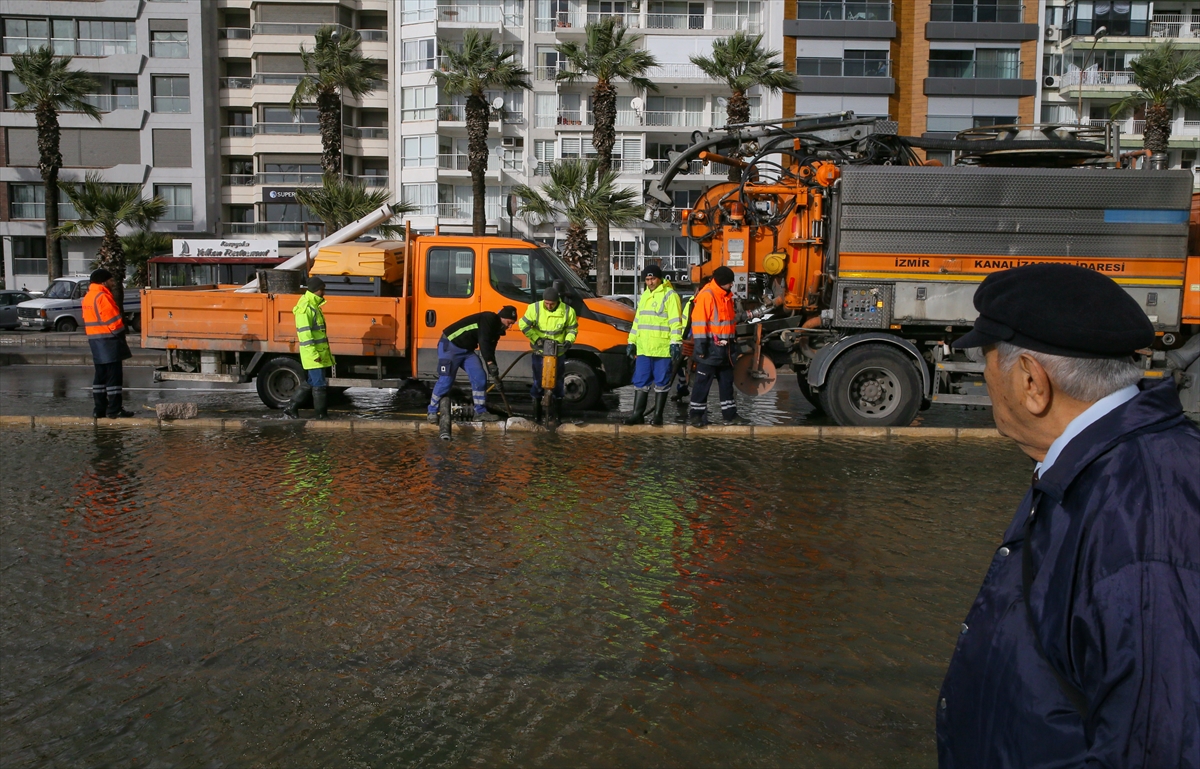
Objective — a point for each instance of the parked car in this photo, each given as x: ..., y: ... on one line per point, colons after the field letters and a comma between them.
x: 61, y: 307
x: 8, y: 307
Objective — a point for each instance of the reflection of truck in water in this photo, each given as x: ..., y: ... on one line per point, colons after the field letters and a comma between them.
x: 386, y: 305
x: 869, y: 259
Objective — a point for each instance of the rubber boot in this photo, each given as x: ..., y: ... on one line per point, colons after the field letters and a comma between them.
x: 99, y: 402
x: 537, y: 410
x: 320, y: 400
x: 292, y: 411
x: 660, y: 405
x: 555, y: 412
x: 696, y: 419
x: 639, y: 408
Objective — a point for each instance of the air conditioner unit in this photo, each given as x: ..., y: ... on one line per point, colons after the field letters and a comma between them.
x: 1053, y: 33
x: 1051, y: 81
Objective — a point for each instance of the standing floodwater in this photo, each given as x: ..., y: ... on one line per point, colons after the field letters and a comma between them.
x: 291, y: 598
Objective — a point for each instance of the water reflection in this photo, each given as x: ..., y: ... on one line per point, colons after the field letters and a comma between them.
x: 298, y: 598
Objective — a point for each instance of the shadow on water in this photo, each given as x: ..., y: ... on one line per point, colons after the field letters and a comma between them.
x: 290, y: 598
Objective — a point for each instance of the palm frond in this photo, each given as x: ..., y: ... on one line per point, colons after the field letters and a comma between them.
x: 103, y: 208
x: 742, y: 63
x: 338, y: 202
x: 1166, y: 77
x: 480, y: 65
x: 50, y: 83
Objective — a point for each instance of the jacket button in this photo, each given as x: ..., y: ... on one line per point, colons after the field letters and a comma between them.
x: 1004, y: 551
x: 964, y: 627
x: 942, y: 704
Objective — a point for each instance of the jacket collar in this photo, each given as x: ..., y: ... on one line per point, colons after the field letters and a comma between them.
x: 1154, y: 409
x: 313, y: 299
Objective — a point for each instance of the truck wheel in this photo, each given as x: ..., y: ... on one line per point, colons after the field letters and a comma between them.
x: 807, y: 391
x: 67, y: 324
x: 872, y: 385
x: 581, y: 384
x: 277, y: 381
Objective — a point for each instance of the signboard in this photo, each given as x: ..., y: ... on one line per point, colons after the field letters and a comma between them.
x: 279, y: 194
x: 226, y: 249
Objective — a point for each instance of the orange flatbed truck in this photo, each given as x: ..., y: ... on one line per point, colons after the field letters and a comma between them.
x: 388, y: 341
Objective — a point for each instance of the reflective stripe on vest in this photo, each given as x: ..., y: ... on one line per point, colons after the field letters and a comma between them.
x: 711, y: 325
x: 658, y: 314
x: 93, y: 324
x: 462, y: 331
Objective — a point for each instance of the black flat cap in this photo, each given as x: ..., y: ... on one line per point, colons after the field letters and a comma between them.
x: 1058, y: 309
x: 315, y: 284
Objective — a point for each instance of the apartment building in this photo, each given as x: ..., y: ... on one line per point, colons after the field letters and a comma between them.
x: 157, y: 127
x: 935, y: 68
x: 1089, y: 45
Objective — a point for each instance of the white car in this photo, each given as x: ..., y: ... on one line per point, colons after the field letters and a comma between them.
x: 61, y: 307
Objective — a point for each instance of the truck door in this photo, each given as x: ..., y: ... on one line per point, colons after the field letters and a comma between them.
x: 450, y: 293
x: 516, y: 276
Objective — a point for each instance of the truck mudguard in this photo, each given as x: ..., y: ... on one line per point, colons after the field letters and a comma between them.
x: 829, y: 353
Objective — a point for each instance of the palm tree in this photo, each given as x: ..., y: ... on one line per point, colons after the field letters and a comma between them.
x: 608, y: 55
x: 139, y: 248
x: 741, y: 63
x: 1167, y: 78
x: 105, y: 208
x: 583, y: 195
x: 51, y: 86
x: 334, y: 67
x: 469, y: 71
x: 339, y: 202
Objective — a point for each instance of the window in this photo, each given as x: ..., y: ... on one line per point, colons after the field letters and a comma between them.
x: 179, y: 201
x: 423, y: 196
x: 852, y: 64
x: 450, y: 272
x: 281, y: 120
x: 169, y: 45
x: 12, y: 87
x: 519, y: 275
x: 419, y: 152
x: 675, y: 111
x: 22, y: 35
x: 1121, y: 17
x: 743, y: 15
x: 413, y: 11
x: 170, y: 93
x: 291, y: 173
x: 418, y: 55
x: 418, y: 103
x: 547, y: 63
x: 543, y: 153
x: 29, y: 256
x: 993, y: 63
x: 28, y: 201
x: 576, y: 148
x: 100, y: 38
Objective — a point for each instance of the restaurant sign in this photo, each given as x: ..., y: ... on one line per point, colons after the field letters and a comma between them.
x: 226, y: 249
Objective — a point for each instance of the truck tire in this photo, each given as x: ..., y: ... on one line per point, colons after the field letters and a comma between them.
x: 872, y: 385
x: 66, y: 324
x: 277, y: 381
x: 807, y: 391
x: 581, y: 384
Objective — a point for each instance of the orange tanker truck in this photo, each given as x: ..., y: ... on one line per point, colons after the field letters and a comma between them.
x: 386, y: 305
x: 867, y: 259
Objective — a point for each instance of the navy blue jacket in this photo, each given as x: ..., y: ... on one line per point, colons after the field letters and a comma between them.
x: 1114, y: 605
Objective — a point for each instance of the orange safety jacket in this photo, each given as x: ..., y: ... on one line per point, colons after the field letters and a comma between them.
x: 101, y: 316
x: 713, y: 316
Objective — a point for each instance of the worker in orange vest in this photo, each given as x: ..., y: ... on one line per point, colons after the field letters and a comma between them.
x: 714, y: 331
x: 106, y: 336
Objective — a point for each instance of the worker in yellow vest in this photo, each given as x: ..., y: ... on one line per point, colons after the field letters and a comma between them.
x: 553, y: 319
x: 655, y: 342
x: 315, y: 355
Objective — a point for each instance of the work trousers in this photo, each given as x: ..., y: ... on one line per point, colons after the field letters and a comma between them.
x: 317, y: 377
x: 106, y: 390
x: 656, y: 370
x: 702, y: 383
x: 451, y: 358
x: 536, y: 391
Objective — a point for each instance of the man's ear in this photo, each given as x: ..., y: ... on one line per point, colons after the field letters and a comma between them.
x: 1033, y: 385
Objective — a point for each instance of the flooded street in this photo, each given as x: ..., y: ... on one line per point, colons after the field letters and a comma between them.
x: 286, y: 597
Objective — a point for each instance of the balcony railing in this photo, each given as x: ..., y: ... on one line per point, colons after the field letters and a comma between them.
x: 1180, y: 128
x: 270, y: 228
x: 66, y: 211
x: 683, y: 119
x: 278, y: 78
x: 176, y: 104
x: 238, y: 180
x: 480, y: 13
x: 675, y: 21
x: 453, y: 162
x: 365, y: 132
x: 285, y: 28
x: 719, y: 118
x: 1093, y: 77
x: 975, y: 70
x: 818, y: 67
x: 418, y: 113
x: 234, y: 33
x: 237, y: 83
x: 237, y: 131
x: 107, y: 102
x: 968, y: 12
x: 1175, y: 25
x: 72, y: 46
x: 287, y: 177
x: 676, y: 71
x: 457, y: 113
x: 288, y: 129
x: 374, y: 35
x: 454, y: 210
x: 693, y: 167
x: 372, y: 180
x: 733, y: 22
x: 836, y: 11
x: 547, y: 73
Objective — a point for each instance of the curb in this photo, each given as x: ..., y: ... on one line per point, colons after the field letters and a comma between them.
x: 472, y: 428
x: 62, y: 357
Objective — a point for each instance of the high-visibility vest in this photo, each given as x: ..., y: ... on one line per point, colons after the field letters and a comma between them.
x: 688, y: 306
x: 658, y: 323
x: 101, y: 316
x: 538, y: 323
x: 713, y: 317
x: 310, y: 332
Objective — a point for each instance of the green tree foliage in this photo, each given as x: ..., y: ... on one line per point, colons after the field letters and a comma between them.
x: 741, y: 63
x: 334, y: 67
x: 1167, y: 78
x: 338, y: 202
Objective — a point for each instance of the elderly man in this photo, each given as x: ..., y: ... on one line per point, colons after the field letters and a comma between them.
x: 1083, y: 645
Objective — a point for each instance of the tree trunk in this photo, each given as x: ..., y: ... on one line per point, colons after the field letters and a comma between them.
x: 1157, y: 133
x: 576, y: 252
x: 604, y: 136
x: 329, y: 112
x: 737, y: 111
x: 49, y: 161
x: 477, y: 160
x: 112, y: 258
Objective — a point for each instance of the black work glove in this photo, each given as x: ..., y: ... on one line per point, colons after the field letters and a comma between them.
x: 700, y: 351
x: 631, y: 351
x: 677, y: 352
x: 493, y: 371
x: 565, y: 346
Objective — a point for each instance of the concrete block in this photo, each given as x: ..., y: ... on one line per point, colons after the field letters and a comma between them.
x: 15, y: 422
x: 329, y: 425
x: 385, y: 425
x: 787, y: 431
x: 979, y: 432
x: 520, y: 425
x: 176, y: 410
x: 923, y: 432
x: 598, y: 428
x: 854, y: 432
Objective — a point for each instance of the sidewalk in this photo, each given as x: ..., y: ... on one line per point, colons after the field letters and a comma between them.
x: 53, y: 348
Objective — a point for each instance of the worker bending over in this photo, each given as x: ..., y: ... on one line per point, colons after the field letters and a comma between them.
x: 714, y: 329
x: 550, y: 318
x: 456, y: 349
x: 314, y: 349
x: 655, y: 343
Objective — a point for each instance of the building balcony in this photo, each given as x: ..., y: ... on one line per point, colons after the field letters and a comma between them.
x: 1184, y: 133
x: 291, y: 79
x: 287, y: 129
x: 845, y: 76
x: 568, y: 22
x: 235, y: 33
x: 971, y: 78
x: 237, y: 131
x: 238, y: 180
x: 966, y: 13
x: 1097, y: 83
x: 287, y: 177
x: 236, y: 83
x: 819, y: 19
x: 112, y: 102
x: 656, y: 167
x: 364, y: 132
x: 677, y: 72
x: 371, y: 181
x: 274, y: 228
x: 489, y: 14
x: 296, y: 30
x: 964, y: 21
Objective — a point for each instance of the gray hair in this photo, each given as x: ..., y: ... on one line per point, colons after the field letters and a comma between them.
x: 1084, y: 379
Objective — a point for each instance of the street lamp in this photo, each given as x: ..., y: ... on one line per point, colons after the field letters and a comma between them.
x: 1100, y: 32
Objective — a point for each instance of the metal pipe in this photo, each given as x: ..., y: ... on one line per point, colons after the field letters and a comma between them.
x: 345, y: 234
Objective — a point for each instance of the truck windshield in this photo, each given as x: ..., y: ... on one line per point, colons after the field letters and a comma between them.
x: 566, y: 273
x: 60, y: 289
x: 522, y: 274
